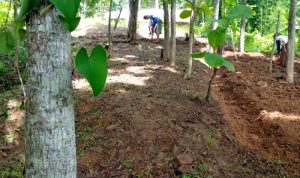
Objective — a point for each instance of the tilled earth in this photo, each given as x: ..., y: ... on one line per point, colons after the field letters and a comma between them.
x: 151, y: 122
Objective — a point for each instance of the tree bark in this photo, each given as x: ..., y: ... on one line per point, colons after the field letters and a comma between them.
x: 191, y: 39
x: 120, y: 12
x: 133, y: 15
x: 214, y: 25
x: 109, y: 35
x: 157, y: 4
x: 291, y: 42
x: 242, y: 31
x: 166, y: 54
x: 173, y: 33
x: 49, y: 121
x: 207, y: 97
x: 273, y: 48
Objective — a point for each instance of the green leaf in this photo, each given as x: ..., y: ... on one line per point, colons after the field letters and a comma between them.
x: 213, y: 60
x: 7, y: 41
x: 93, y: 68
x: 198, y: 55
x: 185, y: 14
x: 216, y: 37
x: 188, y: 5
x: 68, y: 10
x: 240, y: 11
x: 206, y: 10
x: 229, y: 65
x: 27, y: 6
x: 22, y: 34
x: 70, y: 25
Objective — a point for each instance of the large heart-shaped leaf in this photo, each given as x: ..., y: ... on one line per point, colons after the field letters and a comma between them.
x: 216, y: 37
x: 68, y: 10
x: 70, y: 25
x: 27, y: 5
x: 213, y: 60
x: 198, y: 55
x: 93, y: 68
x: 229, y: 65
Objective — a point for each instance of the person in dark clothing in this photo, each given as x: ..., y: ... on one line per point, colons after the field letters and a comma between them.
x: 155, y: 25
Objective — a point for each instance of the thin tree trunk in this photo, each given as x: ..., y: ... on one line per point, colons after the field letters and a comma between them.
x: 291, y: 42
x: 166, y: 31
x: 231, y: 39
x: 207, y: 98
x: 120, y: 12
x: 16, y: 61
x: 261, y: 21
x: 173, y: 33
x: 109, y: 36
x: 242, y: 31
x: 191, y: 40
x: 214, y: 25
x: 132, y: 25
x: 273, y: 48
x: 157, y: 4
x: 49, y: 121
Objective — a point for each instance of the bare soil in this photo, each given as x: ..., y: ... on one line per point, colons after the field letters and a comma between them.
x: 151, y: 122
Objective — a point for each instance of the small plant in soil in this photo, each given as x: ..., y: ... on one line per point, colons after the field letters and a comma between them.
x: 11, y: 170
x: 5, y: 113
x: 127, y: 165
x: 203, y: 167
x: 209, y: 141
x: 216, y: 39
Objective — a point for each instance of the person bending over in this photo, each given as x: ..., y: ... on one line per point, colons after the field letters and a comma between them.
x: 155, y: 25
x: 281, y: 42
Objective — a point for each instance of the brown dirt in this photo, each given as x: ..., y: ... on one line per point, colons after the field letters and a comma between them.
x: 262, y: 109
x: 151, y: 122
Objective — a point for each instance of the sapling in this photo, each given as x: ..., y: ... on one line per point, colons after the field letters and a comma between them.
x: 216, y: 39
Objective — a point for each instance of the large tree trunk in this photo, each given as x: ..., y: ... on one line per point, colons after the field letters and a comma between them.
x: 166, y: 31
x: 291, y: 42
x: 49, y: 121
x: 242, y: 31
x: 191, y: 40
x: 173, y: 33
x: 133, y: 15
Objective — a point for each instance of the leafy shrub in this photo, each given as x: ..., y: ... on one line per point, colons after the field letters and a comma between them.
x: 2, y: 67
x: 254, y: 42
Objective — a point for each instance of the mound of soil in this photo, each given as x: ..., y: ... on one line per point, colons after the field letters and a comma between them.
x: 262, y: 109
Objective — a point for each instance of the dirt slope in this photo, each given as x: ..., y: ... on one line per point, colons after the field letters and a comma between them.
x: 262, y: 110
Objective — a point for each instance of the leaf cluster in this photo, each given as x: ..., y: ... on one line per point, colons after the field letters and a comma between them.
x: 216, y: 38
